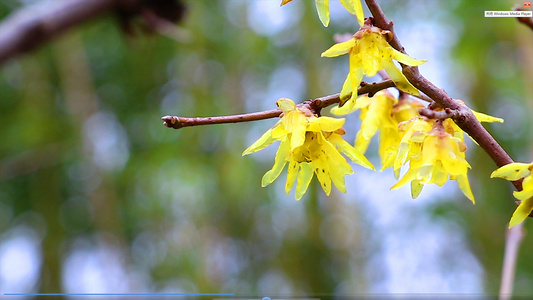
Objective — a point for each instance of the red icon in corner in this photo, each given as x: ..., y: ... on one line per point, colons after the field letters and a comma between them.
x: 527, y: 4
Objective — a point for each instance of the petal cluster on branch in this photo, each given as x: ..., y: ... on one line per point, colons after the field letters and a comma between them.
x: 434, y: 149
x: 369, y: 52
x: 435, y: 154
x: 513, y: 172
x: 310, y: 145
x: 426, y: 137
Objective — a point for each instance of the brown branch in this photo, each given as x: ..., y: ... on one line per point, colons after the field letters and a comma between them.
x: 465, y: 118
x: 439, y: 115
x: 316, y: 104
x: 524, y: 20
x: 33, y: 26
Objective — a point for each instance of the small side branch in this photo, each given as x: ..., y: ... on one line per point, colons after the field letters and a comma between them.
x: 177, y: 122
x: 180, y: 122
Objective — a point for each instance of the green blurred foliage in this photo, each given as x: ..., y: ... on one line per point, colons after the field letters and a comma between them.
x: 83, y: 152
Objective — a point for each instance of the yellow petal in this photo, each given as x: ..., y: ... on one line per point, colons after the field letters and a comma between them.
x: 368, y: 57
x: 425, y: 172
x: 523, y: 195
x: 416, y: 188
x: 279, y: 164
x: 292, y: 172
x: 387, y: 156
x: 414, y: 132
x: 322, y: 7
x: 355, y: 7
x: 389, y: 138
x: 286, y: 105
x: 304, y: 178
x: 322, y: 173
x: 401, y: 155
x: 377, y: 116
x: 298, y: 126
x: 512, y: 171
x: 339, y: 49
x: 527, y: 189
x: 406, y: 59
x: 327, y: 124
x: 527, y: 184
x: 522, y: 212
x: 279, y: 132
x: 350, y: 151
x: 347, y: 94
x: 337, y: 166
x: 399, y: 79
x: 337, y: 176
x: 464, y: 185
x: 264, y: 141
x: 283, y: 2
x: 356, y: 73
x: 363, y: 101
x: 407, y: 177
x: 439, y: 176
x: 361, y: 142
x: 347, y: 108
x: 486, y: 118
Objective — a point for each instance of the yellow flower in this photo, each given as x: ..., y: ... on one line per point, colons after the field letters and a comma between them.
x: 322, y: 7
x: 414, y: 130
x: 516, y: 171
x: 412, y: 133
x: 370, y: 52
x: 376, y: 114
x: 440, y: 155
x: 311, y: 145
x: 406, y: 109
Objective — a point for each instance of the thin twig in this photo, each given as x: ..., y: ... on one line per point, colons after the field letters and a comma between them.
x: 512, y: 244
x: 316, y: 104
x: 180, y: 122
x: 466, y: 119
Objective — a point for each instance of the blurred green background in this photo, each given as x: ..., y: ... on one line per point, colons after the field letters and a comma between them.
x: 97, y: 196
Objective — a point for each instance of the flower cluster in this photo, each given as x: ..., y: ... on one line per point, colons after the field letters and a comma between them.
x: 513, y: 172
x: 310, y: 145
x: 433, y: 147
x: 369, y: 52
x: 434, y: 154
x: 322, y: 7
